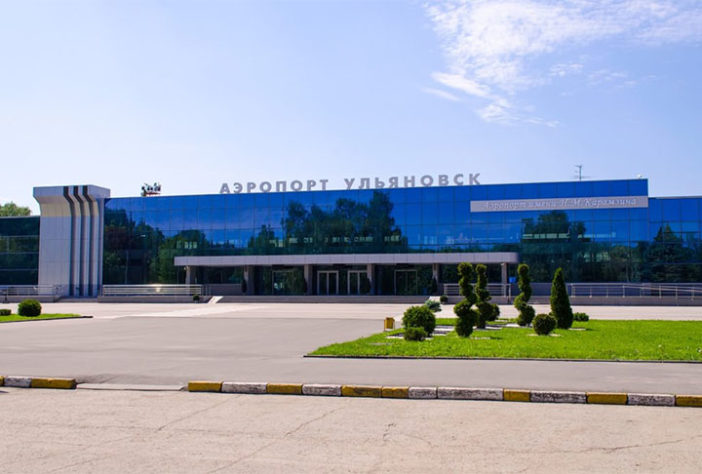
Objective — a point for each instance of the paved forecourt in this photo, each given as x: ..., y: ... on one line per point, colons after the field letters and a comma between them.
x: 90, y: 431
x: 173, y: 344
x: 334, y: 310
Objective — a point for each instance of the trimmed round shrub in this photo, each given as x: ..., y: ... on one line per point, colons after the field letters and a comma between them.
x: 495, y: 312
x: 467, y: 317
x: 414, y: 334
x: 433, y: 305
x: 29, y: 308
x: 196, y: 298
x: 5, y: 312
x: 583, y: 317
x: 544, y: 324
x: 419, y: 317
x: 443, y: 299
x: 526, y: 315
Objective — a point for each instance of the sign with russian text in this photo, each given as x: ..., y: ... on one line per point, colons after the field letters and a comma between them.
x: 351, y: 183
x: 559, y: 204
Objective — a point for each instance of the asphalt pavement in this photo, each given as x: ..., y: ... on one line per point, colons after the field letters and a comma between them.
x: 116, y: 432
x: 171, y: 344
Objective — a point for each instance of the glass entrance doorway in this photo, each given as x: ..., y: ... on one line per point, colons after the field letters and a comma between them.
x: 328, y: 283
x: 354, y: 283
x: 406, y: 282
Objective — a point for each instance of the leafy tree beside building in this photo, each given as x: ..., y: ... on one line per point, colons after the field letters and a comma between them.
x: 10, y: 209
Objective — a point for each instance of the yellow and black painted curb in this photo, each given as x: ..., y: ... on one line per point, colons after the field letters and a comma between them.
x: 37, y: 382
x: 449, y: 393
x: 404, y: 392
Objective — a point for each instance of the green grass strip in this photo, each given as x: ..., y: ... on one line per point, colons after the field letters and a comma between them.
x: 604, y: 340
x: 13, y: 318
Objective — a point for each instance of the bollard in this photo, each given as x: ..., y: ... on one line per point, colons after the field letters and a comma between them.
x: 389, y: 324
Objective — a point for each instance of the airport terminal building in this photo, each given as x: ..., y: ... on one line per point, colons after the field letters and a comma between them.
x: 391, y: 240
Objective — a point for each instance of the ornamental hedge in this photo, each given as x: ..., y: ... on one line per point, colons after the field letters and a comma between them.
x: 544, y: 324
x: 526, y: 311
x: 29, y: 308
x: 560, y: 302
x: 467, y: 316
x: 419, y: 317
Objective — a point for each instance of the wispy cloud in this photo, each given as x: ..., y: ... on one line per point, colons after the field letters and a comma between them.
x: 497, y: 48
x: 461, y: 83
x: 442, y: 94
x: 562, y: 70
x: 604, y: 76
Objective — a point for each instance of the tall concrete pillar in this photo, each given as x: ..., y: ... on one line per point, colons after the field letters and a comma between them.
x: 370, y: 273
x: 436, y: 276
x: 249, y: 279
x: 71, y: 238
x: 188, y: 275
x: 504, y: 273
x: 307, y: 270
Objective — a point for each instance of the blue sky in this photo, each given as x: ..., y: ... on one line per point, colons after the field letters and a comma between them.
x: 193, y: 94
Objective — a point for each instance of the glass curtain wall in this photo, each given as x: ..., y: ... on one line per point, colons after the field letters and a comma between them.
x: 19, y: 250
x: 661, y: 243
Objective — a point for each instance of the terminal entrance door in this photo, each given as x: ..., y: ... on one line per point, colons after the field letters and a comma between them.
x: 327, y: 282
x: 355, y: 279
x: 406, y: 282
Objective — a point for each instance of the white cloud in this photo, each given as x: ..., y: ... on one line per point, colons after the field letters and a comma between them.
x: 493, y: 47
x: 441, y: 94
x: 456, y: 81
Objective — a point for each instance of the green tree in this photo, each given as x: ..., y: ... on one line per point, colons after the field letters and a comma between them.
x: 560, y: 303
x: 11, y: 209
x: 526, y: 311
x: 467, y: 316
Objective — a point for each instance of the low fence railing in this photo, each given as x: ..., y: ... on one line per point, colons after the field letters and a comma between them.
x: 29, y: 290
x: 636, y: 290
x: 152, y: 290
x: 678, y: 291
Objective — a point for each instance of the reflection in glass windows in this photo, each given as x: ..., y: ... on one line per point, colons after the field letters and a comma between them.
x: 661, y: 243
x: 19, y: 250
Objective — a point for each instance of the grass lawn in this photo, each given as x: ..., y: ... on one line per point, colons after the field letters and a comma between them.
x: 15, y: 317
x: 609, y: 340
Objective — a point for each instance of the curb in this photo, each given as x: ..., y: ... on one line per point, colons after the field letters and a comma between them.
x: 37, y: 382
x: 449, y: 393
x: 46, y: 319
x: 411, y: 393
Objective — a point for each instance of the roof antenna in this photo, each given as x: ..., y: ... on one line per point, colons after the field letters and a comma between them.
x: 579, y: 174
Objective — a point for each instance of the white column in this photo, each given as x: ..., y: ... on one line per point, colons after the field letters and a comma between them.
x: 70, y: 238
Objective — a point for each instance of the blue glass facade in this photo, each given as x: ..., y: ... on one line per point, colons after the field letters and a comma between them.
x: 19, y: 250
x: 658, y: 243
